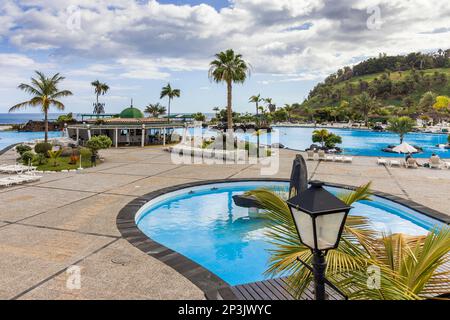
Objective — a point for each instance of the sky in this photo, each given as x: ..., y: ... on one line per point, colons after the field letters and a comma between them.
x: 137, y: 47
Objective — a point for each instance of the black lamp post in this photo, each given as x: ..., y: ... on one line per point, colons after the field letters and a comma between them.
x: 319, y: 218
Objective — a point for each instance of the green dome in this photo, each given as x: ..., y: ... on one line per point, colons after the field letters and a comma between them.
x: 131, y: 113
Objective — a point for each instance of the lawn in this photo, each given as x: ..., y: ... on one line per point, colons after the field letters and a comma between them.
x: 62, y: 163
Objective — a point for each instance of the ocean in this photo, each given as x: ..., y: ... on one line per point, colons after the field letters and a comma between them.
x: 18, y: 118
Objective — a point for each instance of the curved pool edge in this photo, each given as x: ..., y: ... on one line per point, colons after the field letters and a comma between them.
x: 201, y: 277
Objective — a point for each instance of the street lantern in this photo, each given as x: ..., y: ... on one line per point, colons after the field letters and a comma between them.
x: 319, y: 218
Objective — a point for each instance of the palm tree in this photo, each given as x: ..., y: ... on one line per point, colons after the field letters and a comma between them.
x: 401, y: 126
x: 229, y: 67
x: 364, y: 103
x: 155, y: 110
x: 45, y: 94
x: 100, y: 88
x: 270, y: 105
x: 408, y: 265
x: 256, y: 99
x: 167, y: 91
x: 289, y: 108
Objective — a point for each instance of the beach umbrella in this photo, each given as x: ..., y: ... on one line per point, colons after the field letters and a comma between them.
x: 405, y: 148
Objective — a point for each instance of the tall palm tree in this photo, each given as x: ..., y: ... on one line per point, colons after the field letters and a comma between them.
x: 100, y: 88
x: 44, y: 93
x: 167, y: 91
x: 364, y: 103
x: 256, y: 99
x: 230, y: 68
x: 155, y: 110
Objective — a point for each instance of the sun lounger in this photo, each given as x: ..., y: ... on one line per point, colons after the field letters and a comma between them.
x: 18, y: 179
x: 321, y: 154
x: 435, y: 162
x: 447, y: 164
x: 338, y: 159
x: 382, y: 161
x: 310, y: 154
x: 394, y: 163
x: 348, y: 159
x: 411, y: 163
x: 329, y: 158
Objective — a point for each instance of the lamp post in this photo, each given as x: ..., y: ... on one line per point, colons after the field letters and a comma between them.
x: 319, y: 218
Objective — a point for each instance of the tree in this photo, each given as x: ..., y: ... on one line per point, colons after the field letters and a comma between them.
x: 270, y: 104
x: 155, y: 110
x: 199, y: 117
x: 364, y: 103
x: 98, y: 142
x: 288, y: 108
x: 256, y: 99
x: 230, y: 68
x: 426, y: 101
x: 44, y: 93
x: 325, y: 138
x: 167, y: 91
x: 100, y: 88
x: 54, y: 155
x: 401, y: 126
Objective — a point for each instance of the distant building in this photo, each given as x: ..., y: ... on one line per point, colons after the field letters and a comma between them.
x: 128, y: 128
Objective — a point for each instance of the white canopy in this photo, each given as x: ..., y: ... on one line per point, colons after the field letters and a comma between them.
x: 405, y: 148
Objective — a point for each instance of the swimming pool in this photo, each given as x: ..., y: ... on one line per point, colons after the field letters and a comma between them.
x: 8, y: 138
x: 203, y: 224
x: 354, y: 142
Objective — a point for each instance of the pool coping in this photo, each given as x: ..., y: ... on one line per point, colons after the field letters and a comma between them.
x: 204, y: 279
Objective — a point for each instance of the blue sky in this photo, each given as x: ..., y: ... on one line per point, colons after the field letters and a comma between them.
x: 139, y: 46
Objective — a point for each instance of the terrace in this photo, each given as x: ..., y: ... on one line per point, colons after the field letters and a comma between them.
x: 70, y: 218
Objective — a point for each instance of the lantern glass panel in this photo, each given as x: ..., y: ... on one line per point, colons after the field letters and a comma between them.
x: 327, y: 228
x: 304, y: 225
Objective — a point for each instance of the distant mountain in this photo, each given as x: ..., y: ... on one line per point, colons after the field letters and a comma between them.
x: 392, y: 80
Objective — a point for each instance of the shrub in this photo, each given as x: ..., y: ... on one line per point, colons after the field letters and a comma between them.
x: 54, y: 155
x: 65, y: 118
x: 99, y: 142
x: 27, y: 157
x: 85, y: 153
x: 22, y: 148
x: 43, y: 148
x: 40, y: 159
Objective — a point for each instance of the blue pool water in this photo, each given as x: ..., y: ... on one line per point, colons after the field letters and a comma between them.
x: 12, y: 137
x: 208, y: 228
x: 355, y: 142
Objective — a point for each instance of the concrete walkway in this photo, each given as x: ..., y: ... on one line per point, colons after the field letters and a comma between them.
x: 70, y: 219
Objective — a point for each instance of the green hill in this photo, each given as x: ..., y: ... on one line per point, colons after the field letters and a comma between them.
x: 400, y: 81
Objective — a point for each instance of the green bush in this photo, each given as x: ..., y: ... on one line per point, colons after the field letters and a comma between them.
x: 65, y: 118
x: 67, y: 152
x: 43, y: 148
x: 39, y: 159
x: 85, y: 153
x: 22, y: 148
x: 27, y: 157
x: 99, y: 142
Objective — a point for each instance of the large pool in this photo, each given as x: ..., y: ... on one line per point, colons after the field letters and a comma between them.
x: 12, y: 137
x: 355, y: 142
x: 203, y: 224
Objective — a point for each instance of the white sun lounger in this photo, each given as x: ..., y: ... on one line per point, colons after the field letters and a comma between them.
x: 447, y: 164
x: 348, y: 159
x: 329, y: 158
x: 395, y: 163
x: 382, y: 161
x: 338, y: 158
x: 19, y: 179
x: 310, y: 154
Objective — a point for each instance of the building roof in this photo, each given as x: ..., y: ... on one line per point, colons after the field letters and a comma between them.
x: 131, y: 113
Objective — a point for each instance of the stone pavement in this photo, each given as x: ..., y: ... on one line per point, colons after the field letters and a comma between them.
x: 70, y: 219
